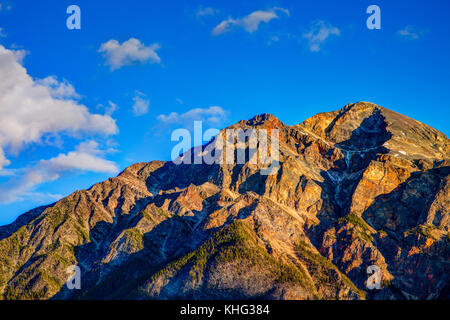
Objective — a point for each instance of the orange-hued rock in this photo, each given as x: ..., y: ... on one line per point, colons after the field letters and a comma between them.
x: 358, y: 187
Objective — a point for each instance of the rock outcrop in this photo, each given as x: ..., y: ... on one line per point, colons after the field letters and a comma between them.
x: 357, y: 187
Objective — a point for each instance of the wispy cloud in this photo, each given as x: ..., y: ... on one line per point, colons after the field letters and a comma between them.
x: 42, y: 197
x: 411, y: 33
x: 141, y: 104
x: 2, y: 33
x: 207, y: 11
x: 86, y: 157
x: 7, y: 172
x: 213, y: 115
x: 128, y: 53
x: 109, y: 109
x: 318, y: 33
x: 251, y: 22
x: 273, y: 39
x: 5, y: 7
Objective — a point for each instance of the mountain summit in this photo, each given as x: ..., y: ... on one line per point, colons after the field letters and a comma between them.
x: 362, y: 187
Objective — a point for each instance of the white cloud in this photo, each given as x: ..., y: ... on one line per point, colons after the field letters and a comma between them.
x: 86, y: 157
x: 251, y: 22
x: 213, y: 115
x: 208, y: 11
x: 128, y: 53
x: 141, y: 104
x: 32, y: 109
x: 2, y: 32
x: 411, y: 32
x: 3, y: 161
x: 59, y: 90
x: 223, y: 26
x: 319, y: 32
x: 20, y: 55
x: 109, y: 109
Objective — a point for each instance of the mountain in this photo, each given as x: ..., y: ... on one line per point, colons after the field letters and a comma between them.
x: 357, y: 187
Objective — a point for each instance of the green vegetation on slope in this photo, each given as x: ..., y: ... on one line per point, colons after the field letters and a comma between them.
x: 323, y: 271
x: 135, y: 238
x: 43, y: 264
x: 364, y: 230
x: 423, y: 230
x: 234, y: 242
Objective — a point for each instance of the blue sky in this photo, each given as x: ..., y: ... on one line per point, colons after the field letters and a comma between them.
x: 87, y: 103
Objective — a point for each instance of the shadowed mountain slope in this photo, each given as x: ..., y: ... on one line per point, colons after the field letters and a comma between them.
x: 357, y: 187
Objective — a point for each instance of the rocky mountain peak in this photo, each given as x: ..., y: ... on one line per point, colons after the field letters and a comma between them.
x: 356, y: 187
x: 262, y: 121
x: 402, y: 135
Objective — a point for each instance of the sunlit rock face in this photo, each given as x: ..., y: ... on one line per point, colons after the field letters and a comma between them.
x: 357, y: 187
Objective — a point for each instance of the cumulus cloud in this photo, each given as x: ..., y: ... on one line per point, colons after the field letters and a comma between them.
x: 411, y: 33
x: 86, y: 157
x: 31, y: 109
x: 141, y: 104
x: 251, y: 22
x: 59, y: 90
x: 20, y: 55
x: 128, y: 53
x: 319, y: 32
x: 212, y: 115
x: 3, y: 161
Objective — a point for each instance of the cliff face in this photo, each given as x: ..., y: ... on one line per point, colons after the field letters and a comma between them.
x: 356, y: 187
